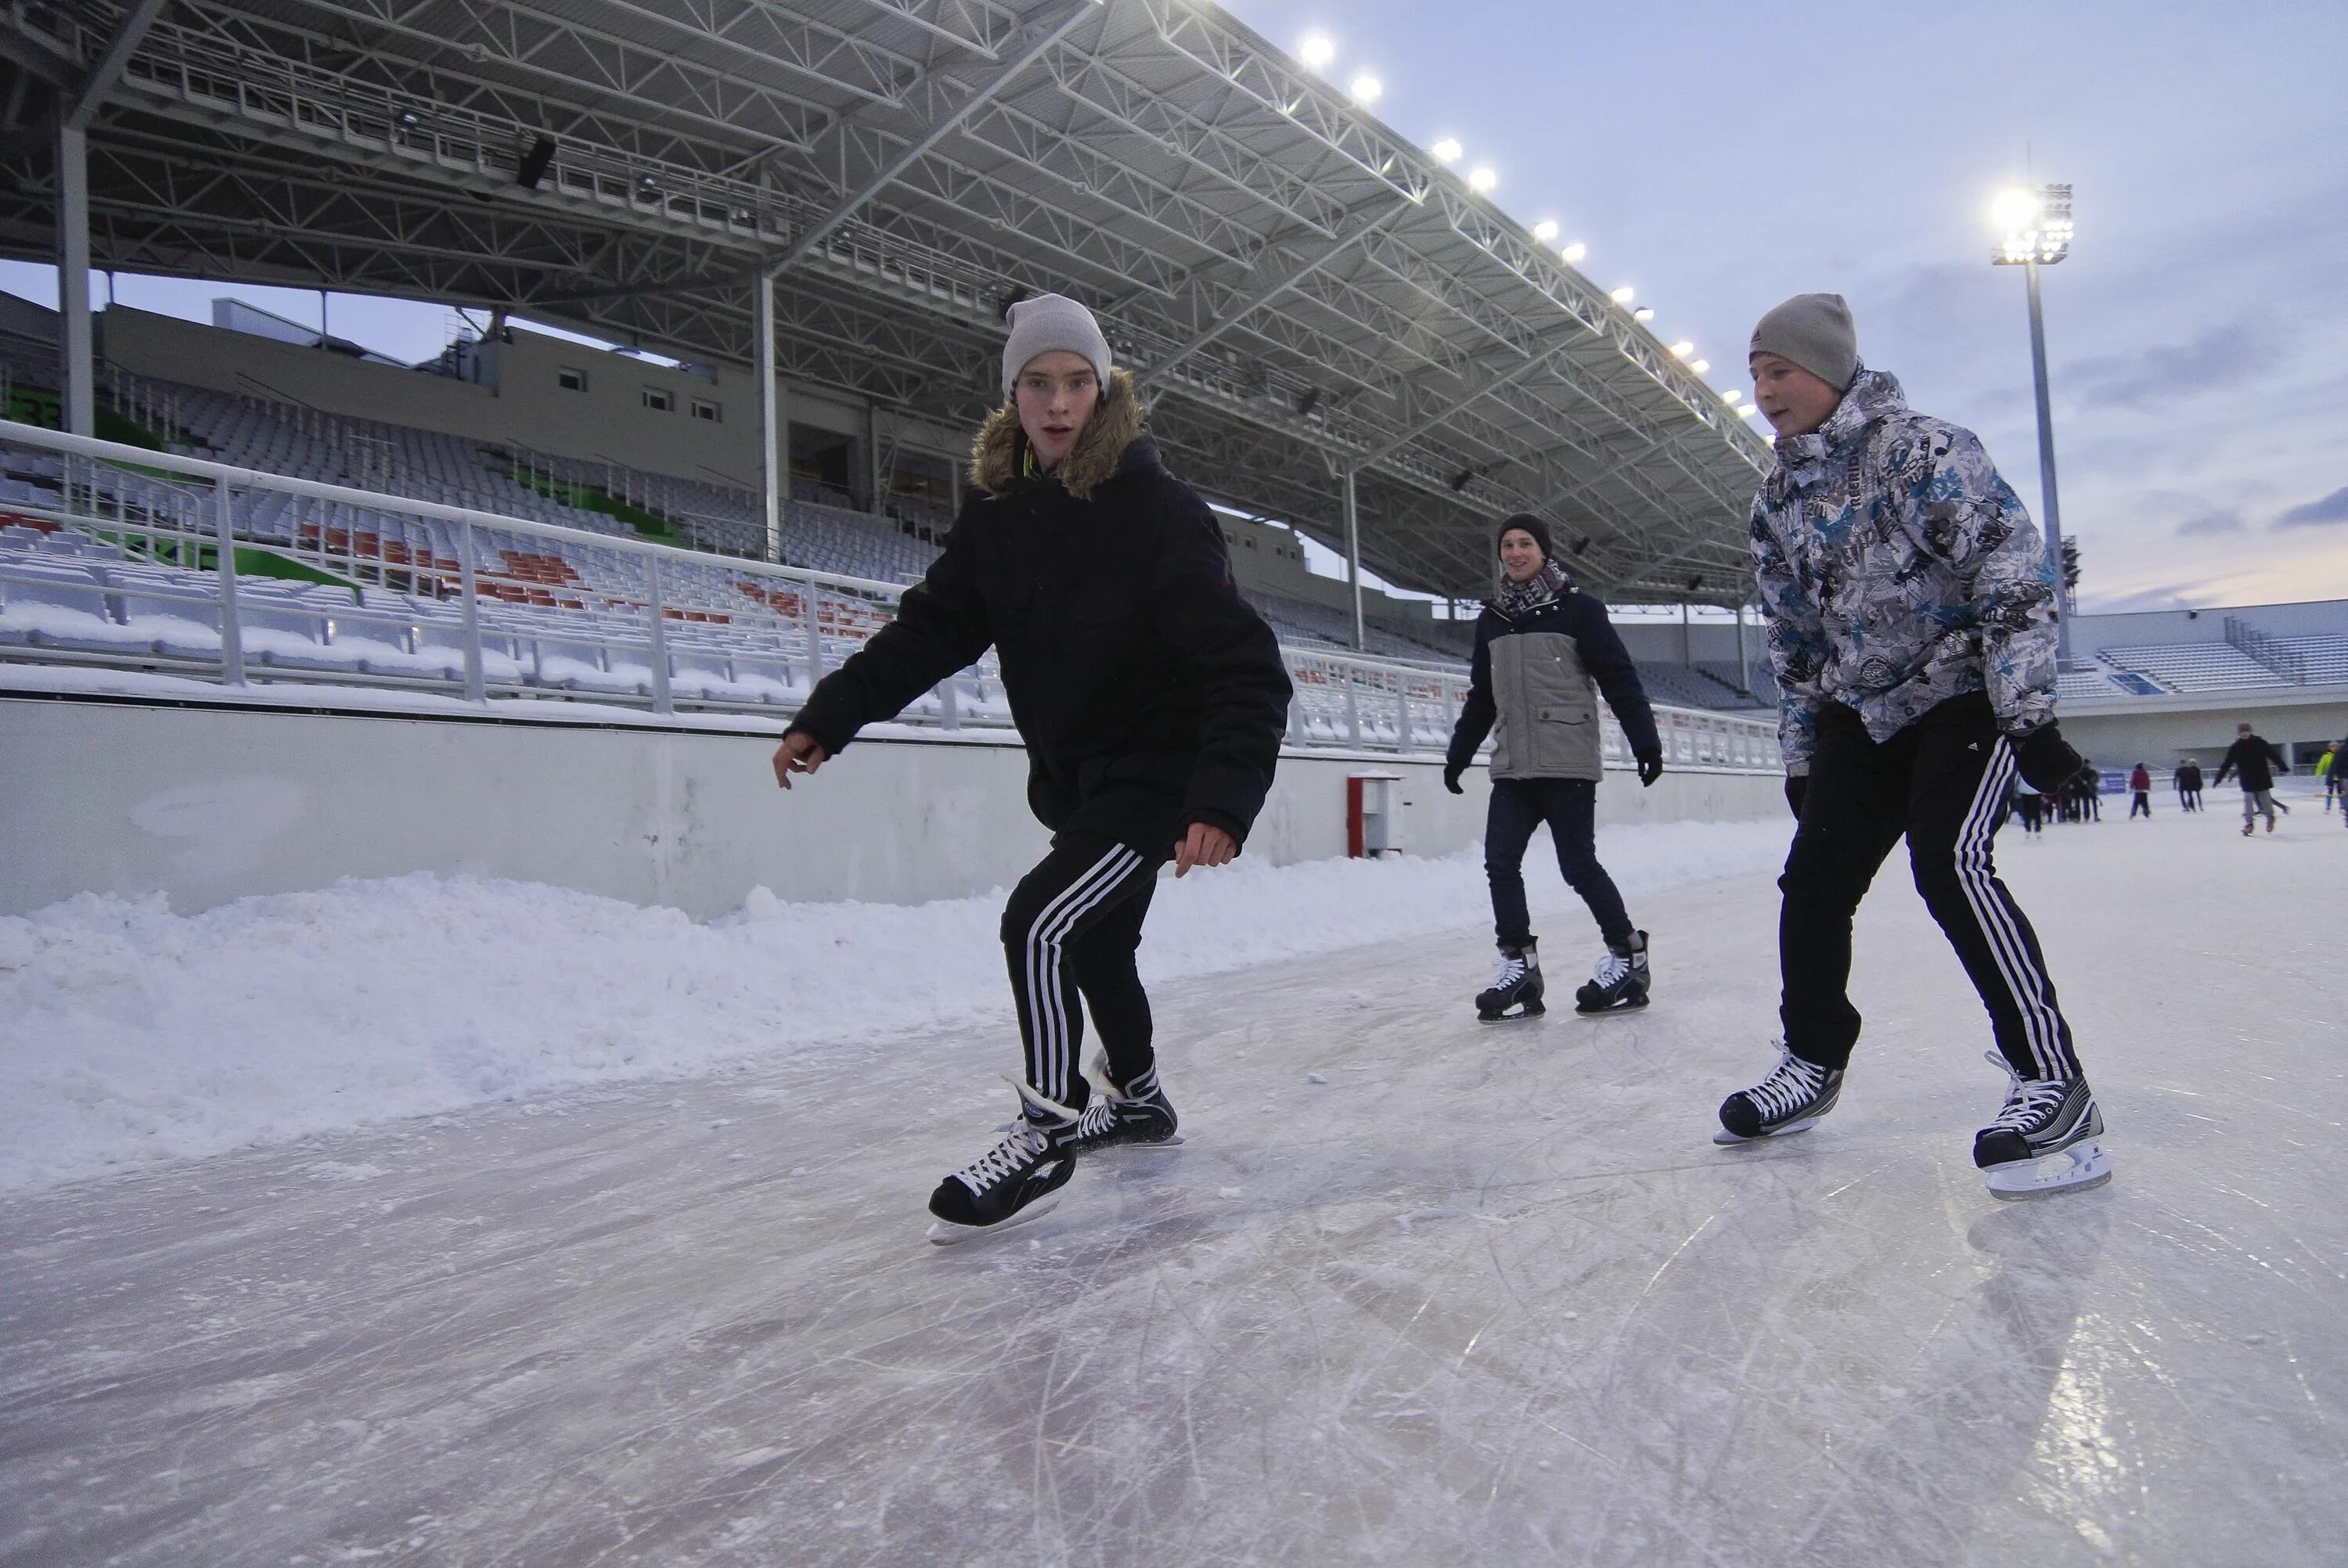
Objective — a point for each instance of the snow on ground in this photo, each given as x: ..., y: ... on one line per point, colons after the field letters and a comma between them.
x: 128, y: 1033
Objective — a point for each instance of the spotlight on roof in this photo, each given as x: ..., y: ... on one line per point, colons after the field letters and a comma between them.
x: 1643, y: 313
x: 1699, y: 366
x: 1682, y: 349
x: 1745, y: 410
x: 1308, y: 400
x: 1581, y: 545
x: 1447, y: 151
x: 1624, y: 296
x: 1365, y: 89
x: 408, y: 119
x: 1018, y: 292
x: 1482, y: 179
x: 1545, y: 230
x: 1734, y: 395
x: 1461, y: 480
x: 1317, y: 50
x: 1575, y: 251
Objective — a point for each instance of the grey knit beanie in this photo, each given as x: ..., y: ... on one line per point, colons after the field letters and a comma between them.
x: 1815, y: 331
x: 1047, y: 323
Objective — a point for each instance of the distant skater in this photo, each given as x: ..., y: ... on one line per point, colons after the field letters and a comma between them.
x: 2255, y: 761
x: 1911, y: 610
x: 1544, y: 651
x: 2031, y: 804
x: 1152, y: 701
x: 2189, y: 785
x: 2327, y: 769
x: 2140, y: 794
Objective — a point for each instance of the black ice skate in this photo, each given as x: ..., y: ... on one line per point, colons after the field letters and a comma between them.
x: 1515, y: 983
x: 1002, y: 1187
x: 1121, y: 1116
x: 1790, y: 1100
x: 1620, y: 984
x: 2046, y: 1139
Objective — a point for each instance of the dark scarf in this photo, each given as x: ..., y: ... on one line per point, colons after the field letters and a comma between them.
x: 1544, y: 588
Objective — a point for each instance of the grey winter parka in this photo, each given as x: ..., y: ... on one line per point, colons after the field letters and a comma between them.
x: 1537, y: 678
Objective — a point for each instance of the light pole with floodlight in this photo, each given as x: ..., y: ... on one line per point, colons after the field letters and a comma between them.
x: 2036, y: 222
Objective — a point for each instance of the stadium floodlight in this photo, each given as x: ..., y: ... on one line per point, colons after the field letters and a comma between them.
x: 1575, y: 251
x: 1624, y: 296
x: 1482, y: 179
x: 1447, y: 151
x: 1682, y: 349
x: 1317, y: 50
x: 1545, y: 230
x: 1365, y: 89
x: 1736, y: 395
x: 1643, y: 313
x: 1699, y: 366
x: 1745, y: 410
x: 2033, y: 225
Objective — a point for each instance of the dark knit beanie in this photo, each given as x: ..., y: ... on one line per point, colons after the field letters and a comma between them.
x: 1532, y: 525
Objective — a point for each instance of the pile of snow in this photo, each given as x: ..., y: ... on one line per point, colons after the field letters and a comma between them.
x: 128, y: 1033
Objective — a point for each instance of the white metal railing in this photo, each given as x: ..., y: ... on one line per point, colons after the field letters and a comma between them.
x: 422, y: 595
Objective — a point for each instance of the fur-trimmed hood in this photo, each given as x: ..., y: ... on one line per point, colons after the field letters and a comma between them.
x: 999, y: 453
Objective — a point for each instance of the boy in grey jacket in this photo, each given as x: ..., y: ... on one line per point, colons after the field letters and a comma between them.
x: 1910, y: 612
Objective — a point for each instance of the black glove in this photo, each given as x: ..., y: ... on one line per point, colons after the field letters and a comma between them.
x: 2047, y: 760
x: 1650, y: 767
x: 1796, y: 786
x: 1451, y: 772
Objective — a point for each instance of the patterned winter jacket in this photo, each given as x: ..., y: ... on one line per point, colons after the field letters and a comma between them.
x: 1898, y: 570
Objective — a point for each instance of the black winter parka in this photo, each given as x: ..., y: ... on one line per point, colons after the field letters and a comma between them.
x: 1150, y: 694
x: 2255, y: 760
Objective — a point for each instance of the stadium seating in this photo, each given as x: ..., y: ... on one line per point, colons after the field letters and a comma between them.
x: 2191, y: 666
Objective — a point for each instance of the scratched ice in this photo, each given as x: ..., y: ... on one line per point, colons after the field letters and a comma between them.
x: 1415, y: 1292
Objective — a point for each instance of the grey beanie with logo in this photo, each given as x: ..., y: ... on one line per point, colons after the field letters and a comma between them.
x: 1047, y: 323
x: 1815, y: 331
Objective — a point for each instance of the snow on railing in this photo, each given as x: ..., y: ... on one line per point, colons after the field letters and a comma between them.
x: 158, y: 561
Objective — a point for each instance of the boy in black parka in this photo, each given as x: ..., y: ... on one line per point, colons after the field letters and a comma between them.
x: 1152, y: 701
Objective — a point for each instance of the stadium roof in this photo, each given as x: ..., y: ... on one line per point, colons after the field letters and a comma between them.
x: 1302, y: 293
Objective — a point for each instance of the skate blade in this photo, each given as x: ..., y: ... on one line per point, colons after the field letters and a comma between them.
x: 1622, y: 1007
x: 2071, y: 1170
x: 1131, y: 1148
x: 946, y: 1232
x: 1726, y: 1137
x: 1530, y: 1010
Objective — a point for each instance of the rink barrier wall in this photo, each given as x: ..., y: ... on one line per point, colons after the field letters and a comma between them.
x: 208, y: 801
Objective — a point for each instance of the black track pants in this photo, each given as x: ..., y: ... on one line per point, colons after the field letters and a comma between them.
x: 1070, y: 932
x: 1570, y: 806
x: 1942, y: 782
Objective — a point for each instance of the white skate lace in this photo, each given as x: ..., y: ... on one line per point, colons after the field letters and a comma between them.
x: 1007, y: 1159
x: 2030, y: 1103
x: 1792, y: 1085
x: 1507, y: 971
x: 1611, y: 968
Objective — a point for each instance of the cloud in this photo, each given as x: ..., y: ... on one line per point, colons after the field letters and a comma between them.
x: 2332, y: 509
x: 2223, y: 356
x: 2224, y: 521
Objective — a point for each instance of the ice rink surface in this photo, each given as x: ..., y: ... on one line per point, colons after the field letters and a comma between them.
x: 1416, y: 1291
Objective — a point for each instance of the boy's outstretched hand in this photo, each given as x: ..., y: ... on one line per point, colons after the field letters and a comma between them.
x: 1204, y: 845
x: 800, y: 752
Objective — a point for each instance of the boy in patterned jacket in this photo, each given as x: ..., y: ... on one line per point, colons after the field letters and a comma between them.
x: 1911, y: 610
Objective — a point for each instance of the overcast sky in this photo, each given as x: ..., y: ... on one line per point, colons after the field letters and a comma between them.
x: 1720, y: 158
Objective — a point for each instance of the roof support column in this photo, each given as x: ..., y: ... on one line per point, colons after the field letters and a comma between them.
x: 774, y: 461
x: 73, y: 280
x: 1353, y: 561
